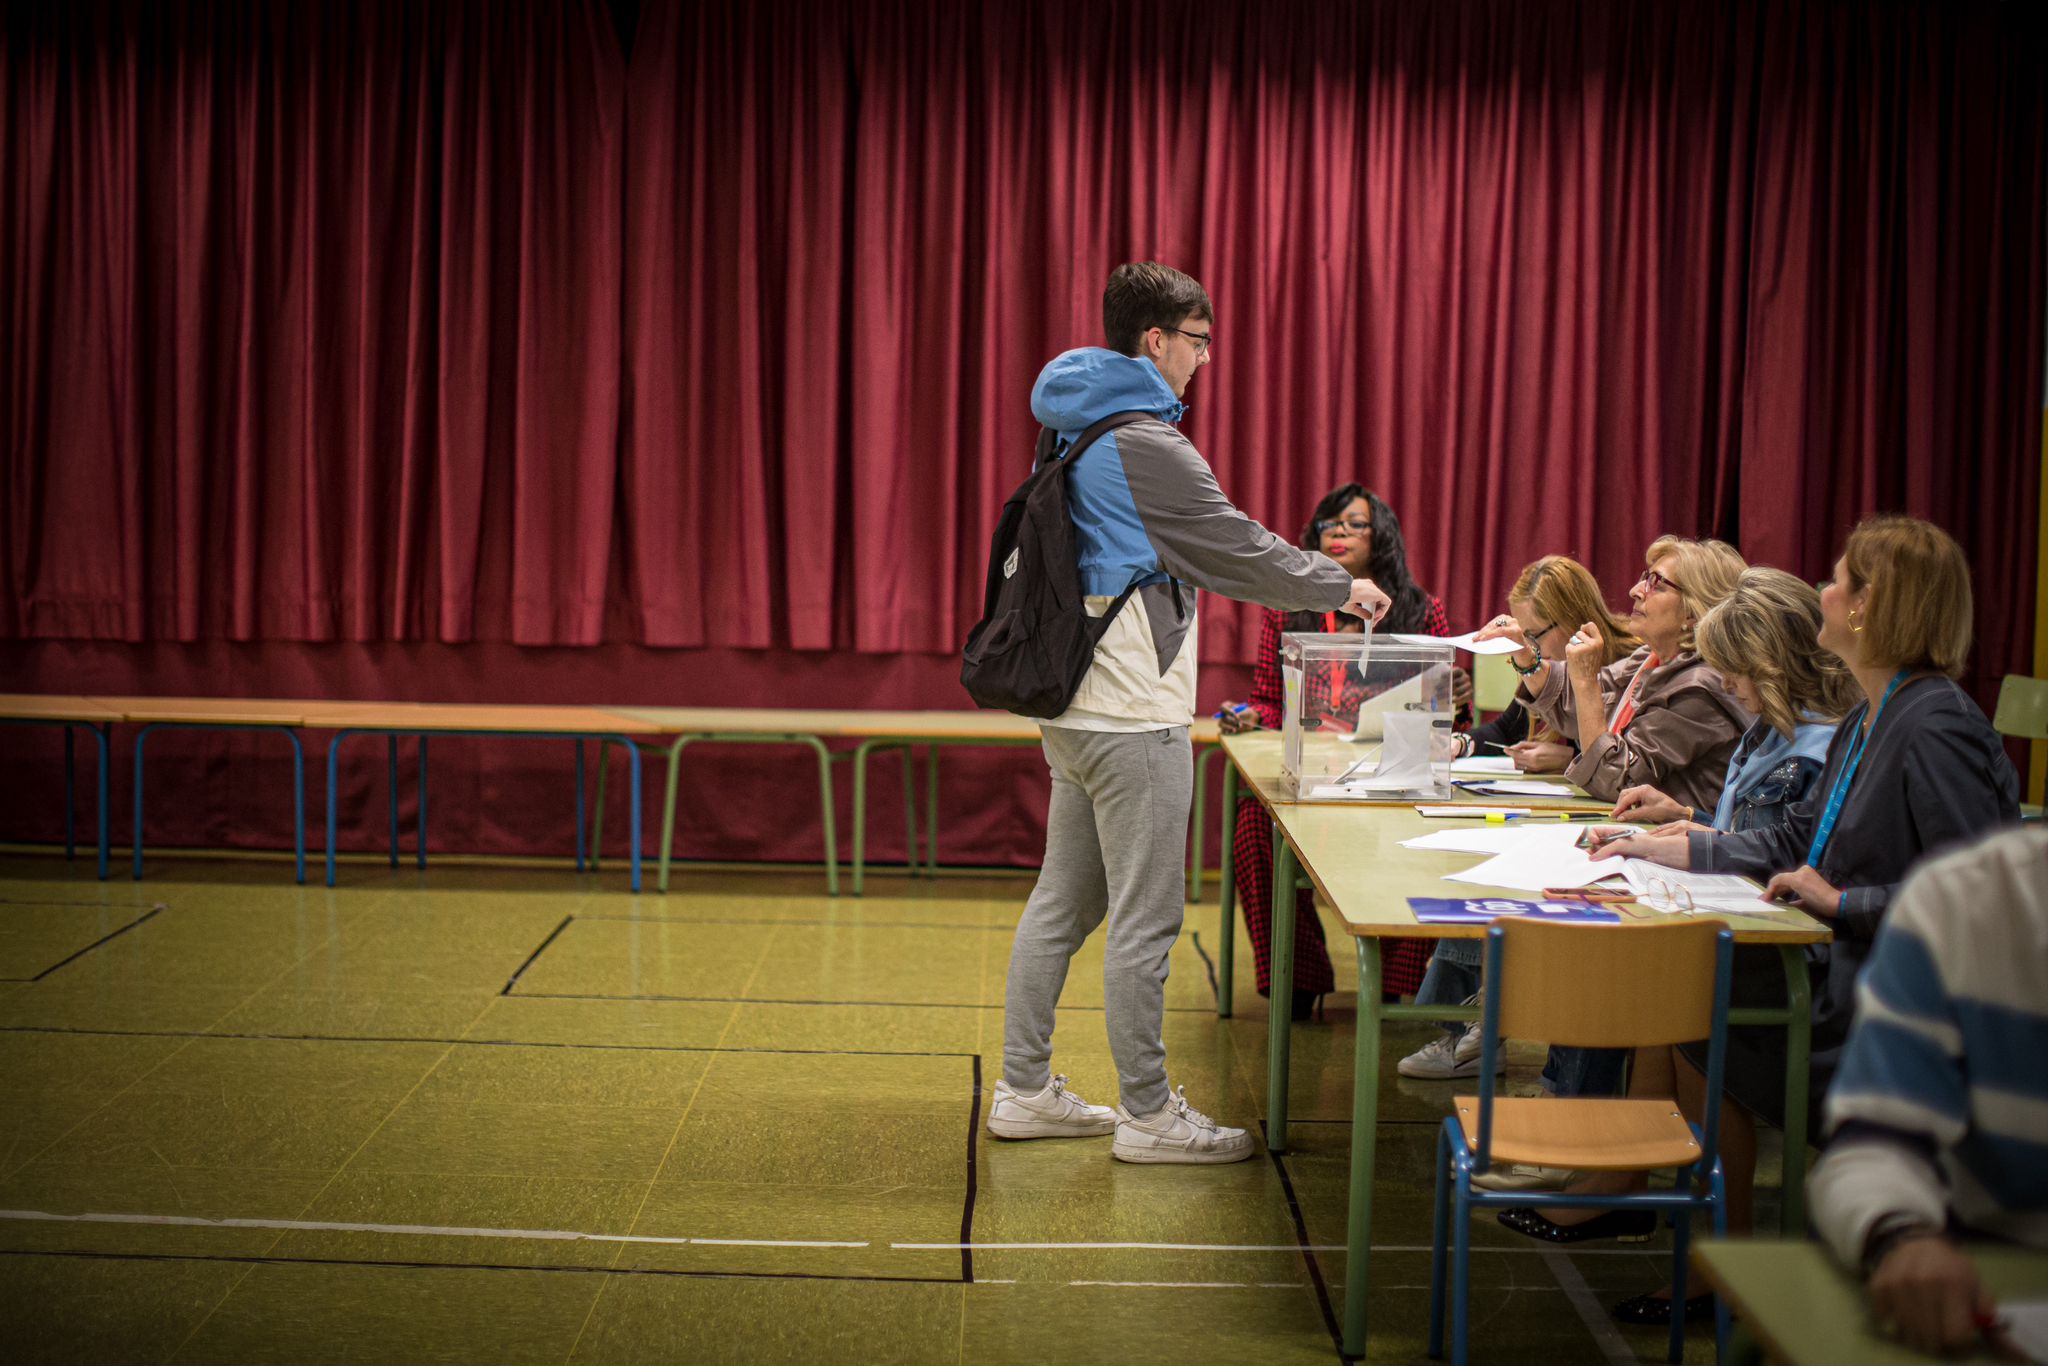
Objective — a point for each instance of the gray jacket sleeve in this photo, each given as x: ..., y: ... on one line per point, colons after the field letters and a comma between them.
x: 1203, y: 540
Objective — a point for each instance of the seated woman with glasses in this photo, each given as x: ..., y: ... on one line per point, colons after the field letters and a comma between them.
x: 1660, y: 716
x: 1914, y: 766
x: 1550, y: 597
x: 1360, y: 532
x: 1762, y: 641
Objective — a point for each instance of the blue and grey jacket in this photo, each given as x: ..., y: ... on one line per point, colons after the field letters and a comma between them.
x: 1147, y: 511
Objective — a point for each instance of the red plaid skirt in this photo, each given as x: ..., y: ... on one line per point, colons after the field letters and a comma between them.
x: 1405, y: 960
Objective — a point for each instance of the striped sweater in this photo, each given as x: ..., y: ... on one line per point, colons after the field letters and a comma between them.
x: 1940, y: 1109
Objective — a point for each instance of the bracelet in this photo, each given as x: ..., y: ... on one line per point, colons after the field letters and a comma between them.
x: 1536, y: 650
x: 1887, y: 1234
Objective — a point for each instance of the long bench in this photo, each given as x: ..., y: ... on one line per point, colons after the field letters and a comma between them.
x: 871, y: 732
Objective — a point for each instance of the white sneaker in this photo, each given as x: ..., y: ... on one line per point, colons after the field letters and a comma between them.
x: 1178, y: 1133
x: 1054, y: 1112
x: 1445, y: 1057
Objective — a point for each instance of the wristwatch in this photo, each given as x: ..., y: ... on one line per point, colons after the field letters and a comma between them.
x: 1887, y: 1233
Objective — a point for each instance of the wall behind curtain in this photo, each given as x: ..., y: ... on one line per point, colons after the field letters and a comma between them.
x: 427, y: 325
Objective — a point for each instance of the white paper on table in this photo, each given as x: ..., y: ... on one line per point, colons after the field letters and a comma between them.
x: 1464, y: 642
x: 1725, y: 892
x: 1479, y: 764
x: 1525, y: 789
x: 1535, y: 867
x: 1497, y: 839
x: 2026, y: 1324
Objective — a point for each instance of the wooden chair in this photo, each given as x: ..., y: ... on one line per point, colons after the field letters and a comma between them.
x: 2023, y: 713
x: 1592, y: 986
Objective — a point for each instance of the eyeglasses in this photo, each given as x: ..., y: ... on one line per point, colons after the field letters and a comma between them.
x: 1356, y: 526
x: 1200, y: 339
x: 1533, y: 636
x: 1652, y: 582
x: 1668, y: 897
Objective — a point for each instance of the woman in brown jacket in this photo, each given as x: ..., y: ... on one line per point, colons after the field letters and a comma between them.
x: 1661, y: 715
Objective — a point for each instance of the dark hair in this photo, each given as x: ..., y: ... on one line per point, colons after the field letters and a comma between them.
x: 1388, y: 566
x: 1143, y: 295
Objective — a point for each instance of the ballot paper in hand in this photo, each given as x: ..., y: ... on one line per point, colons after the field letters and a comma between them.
x: 1466, y: 642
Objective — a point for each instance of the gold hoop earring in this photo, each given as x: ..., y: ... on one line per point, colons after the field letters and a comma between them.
x: 1853, y: 626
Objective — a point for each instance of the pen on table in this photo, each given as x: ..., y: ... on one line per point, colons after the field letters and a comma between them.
x: 1503, y: 817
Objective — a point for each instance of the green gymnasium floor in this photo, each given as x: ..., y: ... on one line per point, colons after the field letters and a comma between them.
x: 513, y: 1114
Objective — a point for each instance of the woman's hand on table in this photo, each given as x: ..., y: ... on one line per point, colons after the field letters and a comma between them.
x: 1540, y: 756
x: 1807, y: 889
x: 1647, y: 804
x: 1670, y: 851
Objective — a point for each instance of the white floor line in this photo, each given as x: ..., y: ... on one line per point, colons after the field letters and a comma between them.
x: 1591, y: 1312
x: 576, y: 1236
x: 415, y: 1230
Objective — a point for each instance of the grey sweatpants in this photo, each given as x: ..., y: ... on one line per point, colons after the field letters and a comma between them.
x: 1114, y: 839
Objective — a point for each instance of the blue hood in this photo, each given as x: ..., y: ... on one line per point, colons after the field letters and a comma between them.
x: 1081, y: 387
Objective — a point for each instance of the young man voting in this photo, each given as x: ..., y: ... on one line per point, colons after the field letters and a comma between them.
x: 1146, y: 511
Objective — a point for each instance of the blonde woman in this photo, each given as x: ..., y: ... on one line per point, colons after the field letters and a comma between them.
x: 1761, y: 640
x: 1660, y: 716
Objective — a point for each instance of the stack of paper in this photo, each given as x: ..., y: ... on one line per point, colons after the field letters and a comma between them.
x: 1488, y: 764
x: 1667, y: 889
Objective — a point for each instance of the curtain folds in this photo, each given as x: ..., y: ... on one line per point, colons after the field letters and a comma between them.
x: 473, y: 321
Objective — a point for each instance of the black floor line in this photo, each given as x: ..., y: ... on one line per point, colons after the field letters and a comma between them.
x: 255, y: 1259
x: 967, y: 1214
x: 86, y: 905
x: 1315, y: 1270
x: 778, y: 1001
x: 1214, y: 989
x: 513, y: 981
x: 105, y: 938
x: 805, y: 924
x: 477, y: 1043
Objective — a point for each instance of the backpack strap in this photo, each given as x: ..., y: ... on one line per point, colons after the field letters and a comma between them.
x: 1051, y: 448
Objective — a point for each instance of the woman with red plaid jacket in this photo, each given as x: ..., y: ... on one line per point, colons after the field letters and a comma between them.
x: 1360, y: 532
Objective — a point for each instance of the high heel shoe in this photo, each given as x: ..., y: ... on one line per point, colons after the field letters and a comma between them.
x: 1624, y: 1225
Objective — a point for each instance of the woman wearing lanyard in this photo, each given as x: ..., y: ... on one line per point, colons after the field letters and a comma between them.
x: 1915, y: 766
x: 1360, y: 532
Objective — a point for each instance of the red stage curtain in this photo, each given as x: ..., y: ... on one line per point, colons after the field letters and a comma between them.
x: 312, y: 321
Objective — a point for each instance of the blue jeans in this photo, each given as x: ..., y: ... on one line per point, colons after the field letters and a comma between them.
x: 1584, y: 1071
x: 1453, y: 978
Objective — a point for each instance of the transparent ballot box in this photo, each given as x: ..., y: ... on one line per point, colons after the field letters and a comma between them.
x: 1365, y: 721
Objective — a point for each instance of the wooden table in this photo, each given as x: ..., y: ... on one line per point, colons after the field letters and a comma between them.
x: 422, y: 719
x: 218, y: 713
x: 872, y: 732
x: 1352, y: 854
x: 1794, y: 1302
x: 37, y: 709
x: 1254, y: 759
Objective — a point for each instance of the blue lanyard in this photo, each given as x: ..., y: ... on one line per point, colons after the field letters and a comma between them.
x: 1840, y: 792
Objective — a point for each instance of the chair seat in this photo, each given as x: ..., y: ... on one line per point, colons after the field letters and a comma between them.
x: 1585, y: 1135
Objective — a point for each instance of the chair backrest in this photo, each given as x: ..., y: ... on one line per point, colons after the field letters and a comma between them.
x: 1493, y: 682
x: 1608, y: 986
x: 2022, y: 707
x: 1604, y: 986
